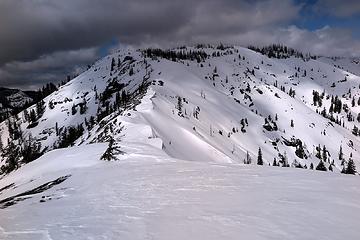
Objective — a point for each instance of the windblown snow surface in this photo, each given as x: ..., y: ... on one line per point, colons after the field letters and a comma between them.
x: 151, y: 196
x: 182, y: 177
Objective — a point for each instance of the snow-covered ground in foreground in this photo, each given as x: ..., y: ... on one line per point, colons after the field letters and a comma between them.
x: 156, y: 197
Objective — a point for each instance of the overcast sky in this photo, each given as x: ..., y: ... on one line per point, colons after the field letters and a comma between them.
x: 45, y: 40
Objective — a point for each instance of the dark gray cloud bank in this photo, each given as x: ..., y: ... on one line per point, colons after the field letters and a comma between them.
x: 44, y: 40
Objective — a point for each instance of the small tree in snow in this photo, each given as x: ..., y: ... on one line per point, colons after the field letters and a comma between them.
x: 321, y: 166
x: 351, y: 168
x: 73, y: 110
x: 341, y: 155
x: 259, y: 158
x: 330, y: 168
x: 247, y: 160
x: 179, y: 104
x: 111, y: 151
x: 324, y: 154
x: 83, y: 107
x: 274, y: 163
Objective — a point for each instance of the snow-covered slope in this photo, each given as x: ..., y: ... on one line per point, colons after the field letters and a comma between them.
x: 224, y: 100
x: 183, y: 122
x: 147, y: 195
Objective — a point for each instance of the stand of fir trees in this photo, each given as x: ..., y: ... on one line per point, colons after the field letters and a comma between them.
x: 69, y: 135
x: 280, y: 51
x: 19, y: 149
x: 175, y: 55
x: 31, y: 150
x: 11, y: 154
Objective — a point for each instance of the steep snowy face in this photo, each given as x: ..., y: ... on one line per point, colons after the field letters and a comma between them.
x: 231, y: 104
x: 79, y: 105
x: 207, y: 104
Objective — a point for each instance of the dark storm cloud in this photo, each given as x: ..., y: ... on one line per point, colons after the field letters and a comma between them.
x: 33, y: 32
x: 48, y: 68
x: 31, y: 28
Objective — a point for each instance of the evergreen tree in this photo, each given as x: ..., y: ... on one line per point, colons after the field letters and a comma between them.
x: 70, y: 135
x: 11, y: 154
x: 179, y: 104
x: 51, y: 105
x: 300, y: 152
x: 124, y: 97
x: 341, y: 155
x: 131, y: 71
x: 355, y: 130
x: 57, y: 129
x: 26, y: 115
x: 321, y: 166
x: 324, y: 154
x: 247, y: 160
x: 351, y: 168
x: 274, y: 163
x: 330, y: 168
x: 83, y: 107
x: 318, y: 152
x: 112, y: 64
x: 32, y: 116
x: 111, y: 151
x: 311, y: 166
x: 31, y: 150
x: 40, y: 108
x: 73, y: 110
x: 117, y: 100
x: 259, y: 158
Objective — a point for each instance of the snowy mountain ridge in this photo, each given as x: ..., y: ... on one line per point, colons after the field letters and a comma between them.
x: 226, y: 102
x: 11, y: 100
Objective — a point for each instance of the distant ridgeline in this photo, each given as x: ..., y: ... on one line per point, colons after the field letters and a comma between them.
x: 281, y: 52
x: 13, y: 101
